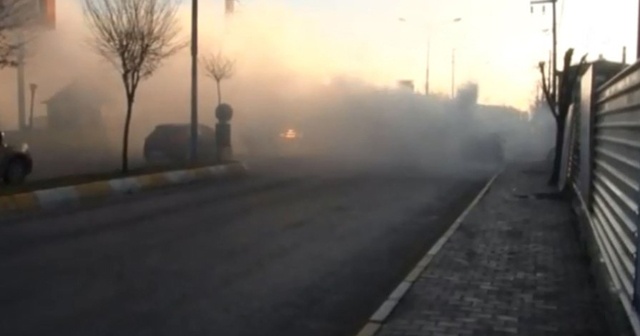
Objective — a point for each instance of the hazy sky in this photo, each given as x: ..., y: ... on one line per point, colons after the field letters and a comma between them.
x: 498, y: 42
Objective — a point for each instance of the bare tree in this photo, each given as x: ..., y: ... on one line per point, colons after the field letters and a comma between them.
x: 560, y: 108
x: 16, y: 16
x: 135, y: 36
x: 219, y: 67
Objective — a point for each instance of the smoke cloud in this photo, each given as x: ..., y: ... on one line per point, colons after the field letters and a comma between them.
x: 288, y: 75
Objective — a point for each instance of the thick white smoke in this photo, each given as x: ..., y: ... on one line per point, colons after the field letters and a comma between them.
x: 289, y: 75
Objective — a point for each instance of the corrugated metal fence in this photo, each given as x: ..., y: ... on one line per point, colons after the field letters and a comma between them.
x: 604, y: 169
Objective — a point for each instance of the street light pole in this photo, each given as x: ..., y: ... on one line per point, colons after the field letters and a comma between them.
x: 22, y: 114
x: 193, y: 148
x: 426, y: 83
x: 453, y: 72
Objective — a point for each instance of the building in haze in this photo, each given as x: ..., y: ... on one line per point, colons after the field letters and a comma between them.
x: 406, y: 85
x: 77, y: 106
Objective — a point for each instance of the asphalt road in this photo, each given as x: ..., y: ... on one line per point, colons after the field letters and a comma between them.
x: 299, y: 248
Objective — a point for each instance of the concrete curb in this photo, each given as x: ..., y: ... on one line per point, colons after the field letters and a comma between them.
x: 62, y: 196
x: 379, y: 317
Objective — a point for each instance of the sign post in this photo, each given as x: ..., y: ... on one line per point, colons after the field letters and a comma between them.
x: 33, y: 88
x: 45, y: 17
x: 224, y: 113
x: 22, y: 115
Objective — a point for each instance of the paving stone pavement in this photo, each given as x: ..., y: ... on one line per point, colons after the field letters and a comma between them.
x: 514, y: 267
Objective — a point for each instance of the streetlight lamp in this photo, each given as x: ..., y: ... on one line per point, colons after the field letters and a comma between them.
x: 429, y: 31
x: 426, y: 86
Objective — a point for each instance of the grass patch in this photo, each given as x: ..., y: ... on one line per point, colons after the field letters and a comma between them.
x: 70, y: 180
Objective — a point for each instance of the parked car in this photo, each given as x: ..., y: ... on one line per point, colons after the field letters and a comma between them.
x: 169, y: 143
x: 15, y: 164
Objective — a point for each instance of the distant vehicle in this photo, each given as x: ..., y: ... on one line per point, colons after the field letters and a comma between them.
x: 488, y: 149
x: 290, y: 142
x: 270, y: 140
x: 15, y: 165
x: 169, y: 143
x: 290, y: 135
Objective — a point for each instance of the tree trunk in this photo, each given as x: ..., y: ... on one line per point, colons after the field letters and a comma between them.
x: 557, y: 160
x: 125, y: 138
x: 219, y: 93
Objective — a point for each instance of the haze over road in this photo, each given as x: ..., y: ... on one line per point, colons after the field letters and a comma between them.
x: 295, y: 249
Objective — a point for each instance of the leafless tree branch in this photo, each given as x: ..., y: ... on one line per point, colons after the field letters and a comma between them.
x: 219, y: 67
x: 16, y: 17
x: 136, y: 36
x: 568, y: 82
x: 547, y: 91
x: 566, y: 96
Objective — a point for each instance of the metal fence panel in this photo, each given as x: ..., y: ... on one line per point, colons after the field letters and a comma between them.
x: 583, y: 177
x: 573, y: 168
x: 615, y: 175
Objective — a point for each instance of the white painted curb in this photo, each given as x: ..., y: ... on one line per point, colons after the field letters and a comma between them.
x: 378, y: 318
x: 61, y: 196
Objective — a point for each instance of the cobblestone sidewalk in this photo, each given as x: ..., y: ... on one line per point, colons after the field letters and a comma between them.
x: 514, y: 267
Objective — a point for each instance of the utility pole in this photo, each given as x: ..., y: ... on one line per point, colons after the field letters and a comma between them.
x: 549, y: 65
x: 426, y: 83
x: 554, y: 78
x: 453, y: 72
x: 22, y: 113
x: 554, y: 83
x: 193, y: 148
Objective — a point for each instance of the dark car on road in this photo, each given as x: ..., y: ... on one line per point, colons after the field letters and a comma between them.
x: 15, y: 164
x: 169, y: 143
